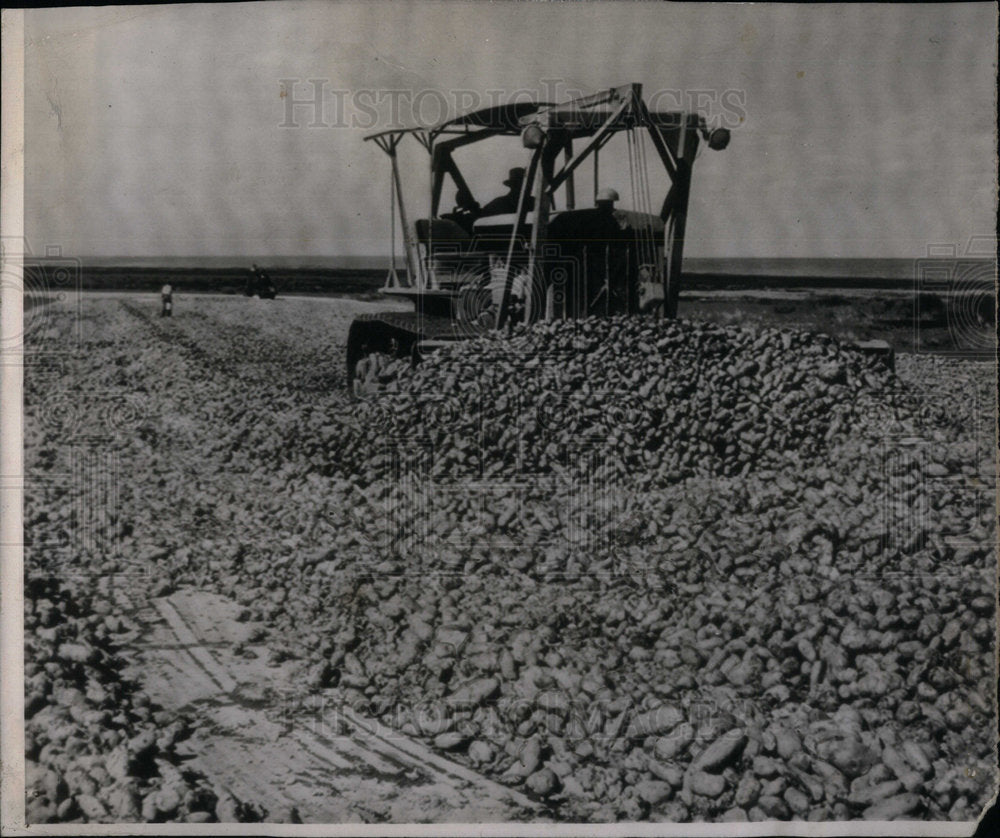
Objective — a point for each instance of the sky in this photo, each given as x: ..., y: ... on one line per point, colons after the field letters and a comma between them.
x: 857, y: 131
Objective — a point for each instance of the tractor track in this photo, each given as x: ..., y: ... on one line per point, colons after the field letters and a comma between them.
x: 327, y: 762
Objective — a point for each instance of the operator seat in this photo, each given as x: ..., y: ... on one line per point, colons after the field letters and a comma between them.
x: 442, y: 232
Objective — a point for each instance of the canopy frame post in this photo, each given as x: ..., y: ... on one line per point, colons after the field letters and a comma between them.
x: 522, y: 213
x: 674, y: 215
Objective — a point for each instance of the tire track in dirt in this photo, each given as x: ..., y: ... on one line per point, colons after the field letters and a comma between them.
x: 337, y: 766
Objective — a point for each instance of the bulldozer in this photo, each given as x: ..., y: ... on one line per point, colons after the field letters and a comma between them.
x: 535, y: 254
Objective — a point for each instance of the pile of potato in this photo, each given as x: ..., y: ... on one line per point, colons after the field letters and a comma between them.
x: 639, y: 569
x: 664, y: 401
x: 669, y: 570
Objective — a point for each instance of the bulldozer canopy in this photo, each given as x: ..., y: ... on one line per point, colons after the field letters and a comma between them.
x: 501, y: 119
x: 615, y: 109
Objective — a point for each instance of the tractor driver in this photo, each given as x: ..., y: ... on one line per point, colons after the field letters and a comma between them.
x: 605, y: 200
x: 507, y: 204
x: 607, y: 229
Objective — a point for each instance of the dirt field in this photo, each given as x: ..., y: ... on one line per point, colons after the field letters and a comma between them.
x: 183, y: 517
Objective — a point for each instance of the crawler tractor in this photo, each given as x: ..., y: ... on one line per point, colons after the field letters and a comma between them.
x: 474, y: 270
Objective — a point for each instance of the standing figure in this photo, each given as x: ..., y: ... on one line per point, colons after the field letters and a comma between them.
x: 167, y: 299
x: 260, y: 284
x: 266, y: 289
x: 605, y: 199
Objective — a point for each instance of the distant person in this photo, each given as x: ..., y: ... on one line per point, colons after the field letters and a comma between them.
x: 266, y: 287
x: 506, y: 204
x: 260, y: 284
x: 167, y: 301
